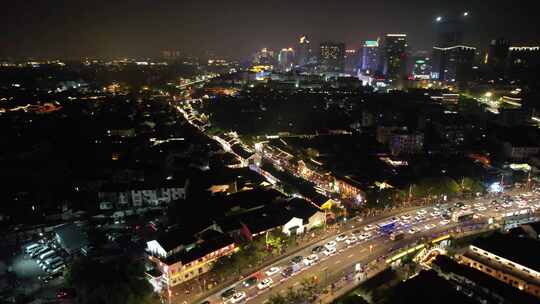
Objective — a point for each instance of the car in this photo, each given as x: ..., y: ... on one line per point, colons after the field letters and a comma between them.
x: 310, y: 260
x: 444, y: 222
x: 413, y: 230
x: 357, y: 232
x: 250, y: 282
x: 421, y: 212
x: 435, y: 213
x: 265, y: 283
x: 341, y: 237
x: 317, y: 249
x: 287, y: 272
x: 429, y: 226
x: 481, y: 208
x: 297, y: 259
x: 351, y: 240
x: 406, y: 217
x: 419, y: 218
x: 369, y: 227
x: 66, y: 293
x: 272, y: 271
x: 227, y: 294
x: 238, y: 297
x: 364, y: 236
x: 331, y: 244
x: 329, y: 251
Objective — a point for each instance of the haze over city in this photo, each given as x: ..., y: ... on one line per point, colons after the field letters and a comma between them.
x: 71, y: 29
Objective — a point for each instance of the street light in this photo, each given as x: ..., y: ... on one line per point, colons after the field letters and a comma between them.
x: 438, y: 19
x: 465, y: 14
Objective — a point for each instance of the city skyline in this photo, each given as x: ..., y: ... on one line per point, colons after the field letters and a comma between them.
x: 236, y: 30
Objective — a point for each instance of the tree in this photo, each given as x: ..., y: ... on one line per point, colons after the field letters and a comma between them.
x: 116, y: 281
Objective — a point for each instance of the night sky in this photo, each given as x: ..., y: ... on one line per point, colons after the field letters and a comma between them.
x: 235, y: 28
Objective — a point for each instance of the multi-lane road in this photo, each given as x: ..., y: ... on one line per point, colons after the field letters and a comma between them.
x: 368, y: 242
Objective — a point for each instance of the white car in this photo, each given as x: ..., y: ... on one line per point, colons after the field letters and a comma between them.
x: 369, y: 227
x: 311, y: 259
x: 421, y: 212
x: 406, y: 217
x: 341, y: 237
x: 331, y: 244
x: 351, y: 240
x: 265, y: 283
x: 237, y: 297
x: 444, y: 222
x: 481, y: 208
x: 429, y: 226
x: 413, y: 230
x: 364, y: 236
x: 329, y: 251
x: 435, y: 213
x: 272, y: 271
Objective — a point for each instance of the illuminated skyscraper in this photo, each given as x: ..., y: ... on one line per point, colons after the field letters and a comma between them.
x: 351, y: 61
x: 453, y: 64
x: 421, y: 68
x: 497, y: 56
x: 264, y: 57
x: 286, y: 59
x: 523, y: 62
x: 394, y: 56
x: 331, y: 57
x: 303, y: 52
x: 452, y: 59
x: 370, y: 57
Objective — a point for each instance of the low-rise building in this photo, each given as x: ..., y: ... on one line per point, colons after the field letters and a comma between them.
x: 179, y: 256
x: 511, y: 260
x: 406, y: 143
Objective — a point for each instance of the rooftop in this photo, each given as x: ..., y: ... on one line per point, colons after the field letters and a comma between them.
x: 522, y: 251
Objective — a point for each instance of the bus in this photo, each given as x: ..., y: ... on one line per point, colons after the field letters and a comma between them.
x: 387, y: 226
x: 462, y: 216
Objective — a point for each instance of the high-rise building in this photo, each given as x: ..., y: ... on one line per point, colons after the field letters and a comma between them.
x: 497, y: 56
x: 394, y: 56
x: 331, y: 57
x: 264, y: 57
x: 453, y: 64
x: 523, y: 61
x: 452, y: 59
x: 450, y: 31
x: 303, y: 55
x: 286, y: 59
x: 351, y: 61
x: 421, y: 68
x: 370, y: 57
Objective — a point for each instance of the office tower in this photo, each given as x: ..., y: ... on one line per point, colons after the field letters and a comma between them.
x: 264, y: 57
x: 394, y: 56
x: 331, y: 57
x: 497, y: 55
x: 303, y: 55
x: 452, y: 59
x: 370, y: 57
x: 453, y: 64
x: 421, y: 67
x: 523, y: 62
x: 450, y: 31
x: 285, y: 59
x: 351, y: 61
